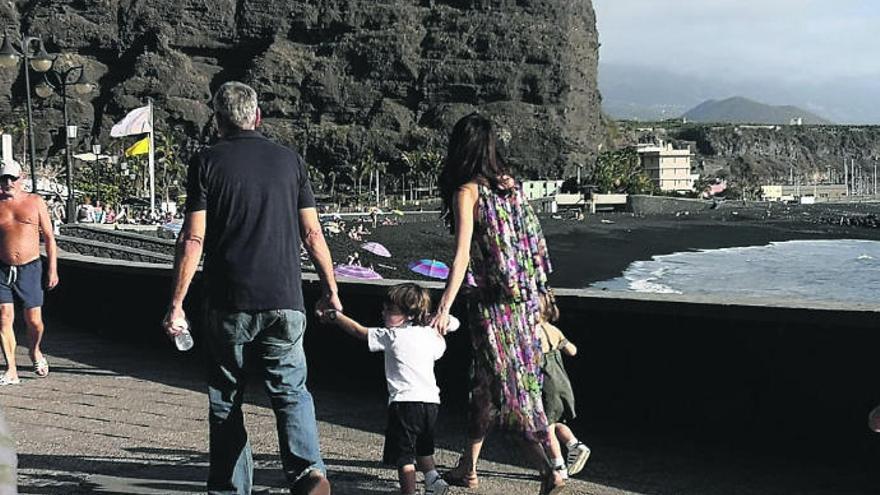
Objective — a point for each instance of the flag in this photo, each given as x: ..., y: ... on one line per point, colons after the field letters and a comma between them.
x: 138, y: 121
x: 141, y: 147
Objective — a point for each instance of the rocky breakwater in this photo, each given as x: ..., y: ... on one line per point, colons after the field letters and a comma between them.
x: 338, y: 78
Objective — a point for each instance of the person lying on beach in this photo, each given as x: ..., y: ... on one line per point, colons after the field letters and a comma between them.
x: 411, y: 347
x: 557, y: 393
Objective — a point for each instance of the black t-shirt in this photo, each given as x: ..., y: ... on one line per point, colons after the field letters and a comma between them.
x: 252, y: 190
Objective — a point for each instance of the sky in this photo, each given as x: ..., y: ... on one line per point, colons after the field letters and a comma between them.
x: 792, y: 41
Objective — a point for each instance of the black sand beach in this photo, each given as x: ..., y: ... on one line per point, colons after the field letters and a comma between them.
x: 602, y: 246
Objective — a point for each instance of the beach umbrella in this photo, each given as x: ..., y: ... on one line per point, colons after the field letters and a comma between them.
x: 430, y: 268
x: 376, y: 248
x: 356, y: 271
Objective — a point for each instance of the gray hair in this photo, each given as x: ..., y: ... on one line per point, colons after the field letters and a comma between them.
x: 235, y: 104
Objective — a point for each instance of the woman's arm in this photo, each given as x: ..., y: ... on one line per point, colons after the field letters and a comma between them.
x: 463, y: 208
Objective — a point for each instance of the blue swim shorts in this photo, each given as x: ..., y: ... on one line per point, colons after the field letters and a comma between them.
x: 23, y: 282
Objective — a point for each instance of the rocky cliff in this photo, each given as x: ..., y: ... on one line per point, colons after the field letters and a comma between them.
x: 754, y: 155
x: 337, y: 78
x: 774, y: 154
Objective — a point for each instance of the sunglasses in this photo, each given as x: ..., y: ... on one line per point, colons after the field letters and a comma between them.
x: 8, y: 178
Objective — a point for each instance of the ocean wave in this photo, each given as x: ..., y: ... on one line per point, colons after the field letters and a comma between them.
x: 649, y: 285
x: 819, y: 270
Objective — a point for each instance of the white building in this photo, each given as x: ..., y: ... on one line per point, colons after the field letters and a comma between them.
x: 535, y: 189
x: 791, y: 193
x: 668, y: 167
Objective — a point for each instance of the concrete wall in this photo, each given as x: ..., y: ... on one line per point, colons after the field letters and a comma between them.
x: 660, y: 205
x: 778, y: 372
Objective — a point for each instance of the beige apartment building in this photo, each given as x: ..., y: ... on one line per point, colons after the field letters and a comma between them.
x: 804, y: 193
x: 667, y: 166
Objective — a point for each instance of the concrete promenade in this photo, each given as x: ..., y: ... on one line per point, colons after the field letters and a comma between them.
x: 119, y: 418
x: 115, y: 418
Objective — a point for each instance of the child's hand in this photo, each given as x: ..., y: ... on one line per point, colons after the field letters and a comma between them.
x: 327, y: 316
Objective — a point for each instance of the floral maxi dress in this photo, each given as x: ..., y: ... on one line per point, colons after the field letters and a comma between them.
x: 510, y: 264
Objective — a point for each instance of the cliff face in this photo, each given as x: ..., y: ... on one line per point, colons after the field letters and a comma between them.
x: 775, y: 153
x: 337, y: 78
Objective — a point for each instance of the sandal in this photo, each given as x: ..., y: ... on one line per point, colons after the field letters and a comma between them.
x: 41, y: 367
x: 460, y: 476
x: 5, y: 380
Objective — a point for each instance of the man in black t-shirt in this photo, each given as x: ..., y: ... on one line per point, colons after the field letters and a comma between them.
x: 249, y: 207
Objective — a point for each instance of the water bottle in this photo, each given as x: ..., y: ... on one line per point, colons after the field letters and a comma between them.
x: 183, y: 340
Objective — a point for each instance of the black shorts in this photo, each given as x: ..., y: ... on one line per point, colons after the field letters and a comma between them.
x: 410, y: 432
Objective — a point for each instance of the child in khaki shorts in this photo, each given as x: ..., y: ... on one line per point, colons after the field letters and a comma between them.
x: 557, y: 393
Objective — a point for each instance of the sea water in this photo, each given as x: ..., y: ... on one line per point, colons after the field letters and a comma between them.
x: 817, y: 270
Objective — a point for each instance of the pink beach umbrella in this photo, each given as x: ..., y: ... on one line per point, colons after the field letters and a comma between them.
x: 376, y: 248
x: 430, y: 268
x: 356, y: 272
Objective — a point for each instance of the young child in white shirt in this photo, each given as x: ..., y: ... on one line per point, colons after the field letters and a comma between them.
x: 411, y: 346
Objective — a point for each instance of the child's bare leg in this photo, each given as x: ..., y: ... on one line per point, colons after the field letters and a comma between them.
x: 555, y: 450
x: 406, y: 474
x: 425, y: 463
x: 564, y: 434
x: 577, y: 453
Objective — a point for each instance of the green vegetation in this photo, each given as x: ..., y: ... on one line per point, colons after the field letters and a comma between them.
x: 619, y: 171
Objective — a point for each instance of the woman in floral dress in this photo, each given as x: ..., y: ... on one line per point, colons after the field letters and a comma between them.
x: 498, y: 235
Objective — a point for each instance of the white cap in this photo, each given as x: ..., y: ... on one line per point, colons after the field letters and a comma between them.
x: 10, y: 167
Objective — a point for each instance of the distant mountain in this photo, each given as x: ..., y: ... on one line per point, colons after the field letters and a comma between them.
x: 635, y: 92
x: 647, y: 93
x: 739, y: 110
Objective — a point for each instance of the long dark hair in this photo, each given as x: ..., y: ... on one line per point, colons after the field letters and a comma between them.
x: 472, y: 154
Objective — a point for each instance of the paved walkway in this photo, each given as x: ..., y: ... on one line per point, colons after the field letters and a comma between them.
x: 116, y: 418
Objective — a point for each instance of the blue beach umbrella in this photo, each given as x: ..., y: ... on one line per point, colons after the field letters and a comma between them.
x: 430, y: 268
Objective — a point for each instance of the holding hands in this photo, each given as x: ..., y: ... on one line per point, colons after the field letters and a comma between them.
x: 327, y: 306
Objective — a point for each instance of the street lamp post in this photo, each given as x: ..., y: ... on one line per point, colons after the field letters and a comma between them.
x: 96, y: 150
x: 57, y: 81
x: 40, y: 61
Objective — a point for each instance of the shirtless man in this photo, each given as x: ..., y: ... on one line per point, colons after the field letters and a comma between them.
x: 22, y: 217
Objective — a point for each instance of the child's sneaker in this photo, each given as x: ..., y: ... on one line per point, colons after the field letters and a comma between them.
x: 576, y: 458
x: 438, y: 487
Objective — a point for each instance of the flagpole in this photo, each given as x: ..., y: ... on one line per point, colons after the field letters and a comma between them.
x: 152, y: 164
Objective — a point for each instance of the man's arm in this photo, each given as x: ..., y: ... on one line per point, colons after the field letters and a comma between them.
x: 51, y: 248
x: 186, y: 262
x: 316, y: 245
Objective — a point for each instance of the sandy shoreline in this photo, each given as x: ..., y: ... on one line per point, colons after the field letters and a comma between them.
x: 602, y: 246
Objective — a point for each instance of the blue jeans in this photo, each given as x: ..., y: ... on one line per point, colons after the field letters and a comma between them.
x: 268, y: 343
